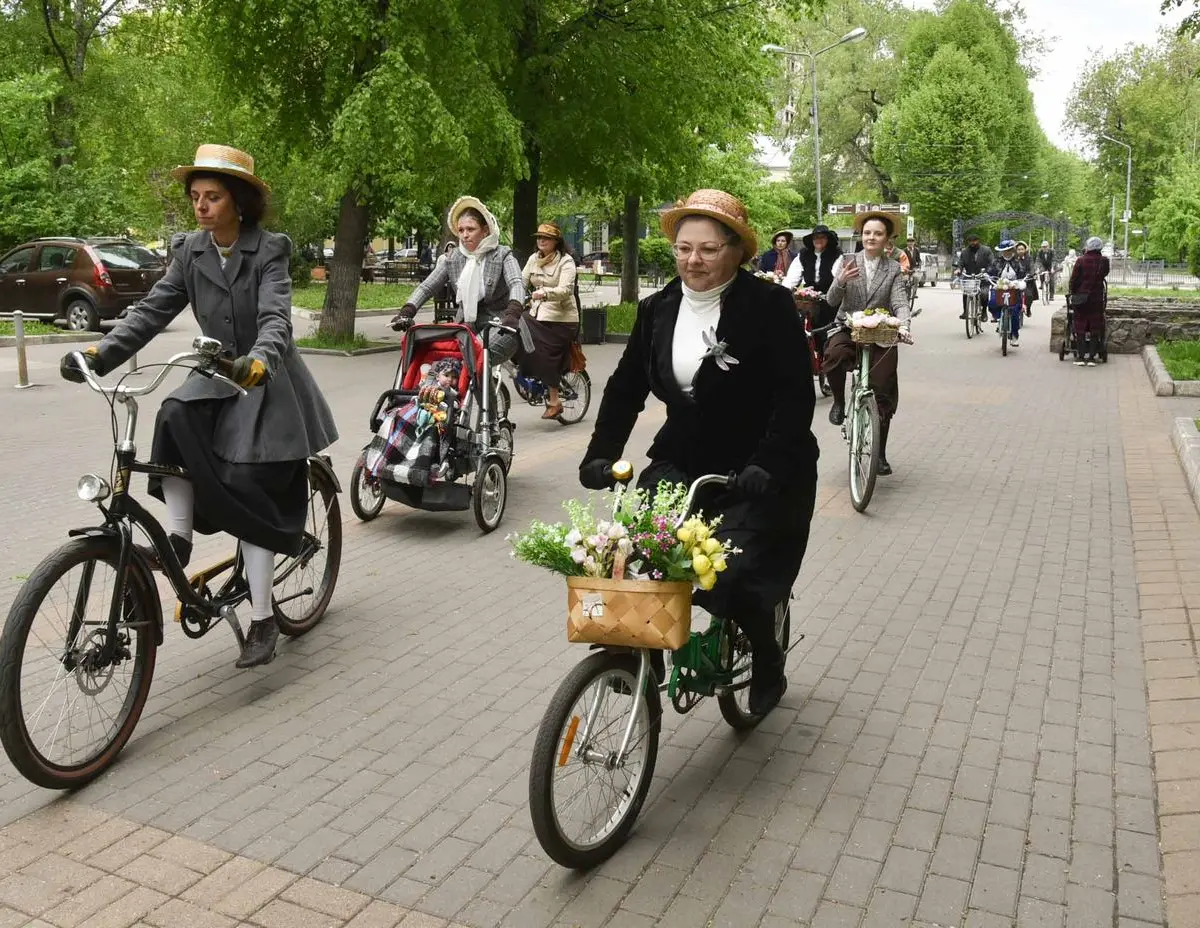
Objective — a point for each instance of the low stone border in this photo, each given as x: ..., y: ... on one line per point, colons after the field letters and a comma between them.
x: 1186, y: 439
x: 357, y: 352
x: 9, y: 341
x: 1164, y: 384
x: 359, y: 314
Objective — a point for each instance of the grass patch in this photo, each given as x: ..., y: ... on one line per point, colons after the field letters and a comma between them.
x: 370, y: 296
x: 1168, y: 293
x: 621, y: 316
x: 32, y: 327
x: 356, y: 343
x: 1182, y: 359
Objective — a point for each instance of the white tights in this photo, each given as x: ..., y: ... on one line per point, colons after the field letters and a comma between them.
x: 260, y: 563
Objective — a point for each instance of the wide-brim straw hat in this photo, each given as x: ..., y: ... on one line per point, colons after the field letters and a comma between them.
x: 893, y: 219
x: 221, y: 159
x: 548, y: 230
x: 461, y: 205
x: 713, y: 204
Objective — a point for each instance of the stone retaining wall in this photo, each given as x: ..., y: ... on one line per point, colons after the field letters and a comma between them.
x: 1134, y: 322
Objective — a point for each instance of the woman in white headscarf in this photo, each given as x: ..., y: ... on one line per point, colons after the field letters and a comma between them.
x: 483, y: 275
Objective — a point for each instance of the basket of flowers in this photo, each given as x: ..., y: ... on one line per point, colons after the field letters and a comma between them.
x: 629, y: 576
x: 807, y: 299
x: 875, y: 327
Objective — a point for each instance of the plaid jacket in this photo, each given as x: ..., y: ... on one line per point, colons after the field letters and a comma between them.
x: 1088, y: 277
x: 502, y: 282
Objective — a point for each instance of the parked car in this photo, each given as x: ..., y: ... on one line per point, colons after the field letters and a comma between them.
x: 75, y: 280
x: 927, y: 273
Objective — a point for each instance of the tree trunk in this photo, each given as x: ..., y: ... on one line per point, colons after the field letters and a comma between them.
x: 629, y: 249
x: 525, y: 205
x: 345, y: 271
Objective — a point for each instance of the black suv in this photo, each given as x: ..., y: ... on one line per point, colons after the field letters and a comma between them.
x: 79, y: 281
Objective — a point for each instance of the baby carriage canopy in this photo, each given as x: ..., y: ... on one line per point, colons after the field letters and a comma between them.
x: 425, y: 344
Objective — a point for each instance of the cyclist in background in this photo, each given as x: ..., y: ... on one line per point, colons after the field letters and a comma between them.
x: 976, y: 258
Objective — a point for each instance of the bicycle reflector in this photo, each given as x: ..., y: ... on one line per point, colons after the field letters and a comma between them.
x: 92, y: 488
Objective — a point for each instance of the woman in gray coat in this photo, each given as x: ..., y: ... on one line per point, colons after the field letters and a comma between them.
x: 245, y: 455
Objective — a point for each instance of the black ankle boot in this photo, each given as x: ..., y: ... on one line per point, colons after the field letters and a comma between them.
x: 260, y: 644
x: 181, y: 546
x: 768, y: 682
x: 885, y: 468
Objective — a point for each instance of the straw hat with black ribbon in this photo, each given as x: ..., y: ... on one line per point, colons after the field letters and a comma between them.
x: 713, y: 204
x: 224, y: 160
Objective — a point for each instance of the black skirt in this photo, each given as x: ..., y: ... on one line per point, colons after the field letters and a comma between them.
x: 263, y: 504
x: 551, y: 355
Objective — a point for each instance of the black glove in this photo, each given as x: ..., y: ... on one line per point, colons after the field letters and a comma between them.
x: 403, y: 319
x: 68, y: 367
x: 597, y: 474
x: 512, y: 314
x: 754, y: 481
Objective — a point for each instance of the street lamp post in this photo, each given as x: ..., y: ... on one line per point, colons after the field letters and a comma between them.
x: 853, y: 35
x: 1128, y: 182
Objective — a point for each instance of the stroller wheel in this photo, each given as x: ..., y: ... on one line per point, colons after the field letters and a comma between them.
x: 366, y: 495
x: 490, y: 493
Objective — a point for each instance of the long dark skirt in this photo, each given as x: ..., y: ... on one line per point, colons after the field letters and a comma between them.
x: 552, y: 350
x: 263, y: 504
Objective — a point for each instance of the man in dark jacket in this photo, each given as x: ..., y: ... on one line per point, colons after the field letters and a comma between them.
x: 1043, y: 267
x: 976, y: 258
x: 1089, y: 286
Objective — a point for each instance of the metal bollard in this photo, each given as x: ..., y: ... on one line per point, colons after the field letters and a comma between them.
x: 22, y: 364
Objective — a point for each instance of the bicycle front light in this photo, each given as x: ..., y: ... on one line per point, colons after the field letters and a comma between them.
x: 92, y: 488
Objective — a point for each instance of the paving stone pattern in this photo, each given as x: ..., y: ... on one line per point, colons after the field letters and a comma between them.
x: 965, y: 741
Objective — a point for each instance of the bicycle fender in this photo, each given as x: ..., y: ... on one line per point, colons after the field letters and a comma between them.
x: 323, y: 464
x: 144, y: 581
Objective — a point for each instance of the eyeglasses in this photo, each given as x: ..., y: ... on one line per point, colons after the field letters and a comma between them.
x: 706, y: 252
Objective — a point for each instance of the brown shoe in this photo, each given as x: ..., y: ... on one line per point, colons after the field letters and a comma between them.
x: 553, y: 412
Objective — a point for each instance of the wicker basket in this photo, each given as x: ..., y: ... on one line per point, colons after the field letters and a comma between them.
x: 629, y: 613
x: 884, y: 335
x: 805, y: 306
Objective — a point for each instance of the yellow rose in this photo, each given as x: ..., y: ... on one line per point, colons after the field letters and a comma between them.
x: 711, y: 546
x: 718, y: 563
x: 701, y: 564
x: 684, y: 534
x: 701, y: 532
x: 707, y: 581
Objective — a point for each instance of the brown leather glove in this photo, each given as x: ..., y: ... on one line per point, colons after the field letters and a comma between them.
x: 403, y: 319
x: 512, y: 314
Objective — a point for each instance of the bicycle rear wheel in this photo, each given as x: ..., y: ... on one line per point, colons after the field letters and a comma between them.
x: 864, y: 451
x: 575, y: 394
x: 584, y: 799
x: 66, y: 711
x: 1004, y: 327
x: 737, y: 651
x: 304, y: 582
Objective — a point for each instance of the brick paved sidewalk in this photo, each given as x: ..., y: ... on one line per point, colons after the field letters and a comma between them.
x: 966, y: 740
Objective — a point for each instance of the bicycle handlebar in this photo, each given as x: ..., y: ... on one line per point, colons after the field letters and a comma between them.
x: 205, y: 359
x: 622, y: 472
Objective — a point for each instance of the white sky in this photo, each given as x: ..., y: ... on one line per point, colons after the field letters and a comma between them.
x: 1078, y: 30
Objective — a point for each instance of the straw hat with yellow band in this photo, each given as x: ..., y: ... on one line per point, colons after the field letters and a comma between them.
x: 549, y: 230
x: 718, y: 205
x: 894, y: 221
x: 221, y: 159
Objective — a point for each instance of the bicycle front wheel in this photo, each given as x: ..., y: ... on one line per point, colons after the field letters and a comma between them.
x: 738, y: 654
x: 583, y: 797
x: 969, y: 318
x: 304, y: 582
x: 864, y: 451
x: 68, y: 701
x: 1004, y: 326
x: 575, y: 394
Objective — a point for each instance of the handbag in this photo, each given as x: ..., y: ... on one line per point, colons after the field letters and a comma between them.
x: 578, y: 360
x: 1077, y: 299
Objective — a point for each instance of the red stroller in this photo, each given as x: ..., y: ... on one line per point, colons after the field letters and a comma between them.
x: 477, y: 447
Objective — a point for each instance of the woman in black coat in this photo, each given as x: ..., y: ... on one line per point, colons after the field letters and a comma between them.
x: 725, y: 351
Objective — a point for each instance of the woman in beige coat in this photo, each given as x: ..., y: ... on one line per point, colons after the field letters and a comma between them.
x: 549, y: 275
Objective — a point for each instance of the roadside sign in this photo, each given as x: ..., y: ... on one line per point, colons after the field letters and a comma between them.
x: 1126, y: 215
x: 911, y: 226
x: 841, y: 209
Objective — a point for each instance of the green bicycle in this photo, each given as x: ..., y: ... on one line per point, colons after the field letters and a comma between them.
x: 594, y: 756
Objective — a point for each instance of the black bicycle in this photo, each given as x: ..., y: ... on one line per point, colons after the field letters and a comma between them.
x: 78, y: 649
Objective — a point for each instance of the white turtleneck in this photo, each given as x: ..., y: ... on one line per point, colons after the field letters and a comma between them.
x: 699, y: 312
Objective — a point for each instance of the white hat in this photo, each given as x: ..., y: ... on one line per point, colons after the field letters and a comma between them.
x: 221, y: 159
x: 1045, y: 243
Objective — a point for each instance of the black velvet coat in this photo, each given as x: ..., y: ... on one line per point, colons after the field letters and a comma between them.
x: 758, y: 412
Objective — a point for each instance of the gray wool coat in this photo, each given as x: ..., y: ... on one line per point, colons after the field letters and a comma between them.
x: 248, y: 306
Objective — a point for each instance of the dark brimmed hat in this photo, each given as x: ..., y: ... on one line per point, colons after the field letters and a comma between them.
x: 714, y: 204
x: 786, y: 233
x: 820, y: 229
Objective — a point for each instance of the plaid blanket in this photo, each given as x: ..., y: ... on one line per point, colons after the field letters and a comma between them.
x: 408, y: 447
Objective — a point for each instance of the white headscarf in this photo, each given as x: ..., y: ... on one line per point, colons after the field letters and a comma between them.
x: 471, y: 278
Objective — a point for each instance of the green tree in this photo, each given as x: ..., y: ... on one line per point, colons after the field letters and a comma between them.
x: 1172, y: 218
